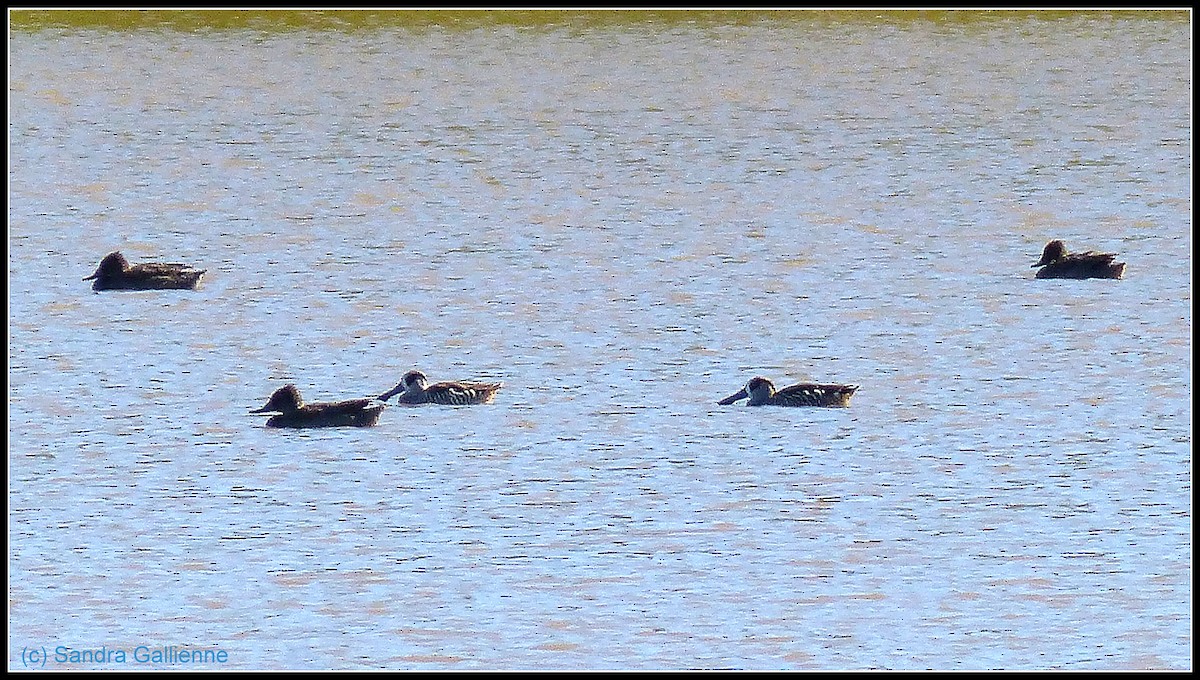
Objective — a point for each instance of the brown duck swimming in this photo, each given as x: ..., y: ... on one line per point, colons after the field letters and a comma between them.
x: 114, y: 273
x: 761, y: 392
x: 295, y: 413
x: 1057, y: 264
x: 414, y: 388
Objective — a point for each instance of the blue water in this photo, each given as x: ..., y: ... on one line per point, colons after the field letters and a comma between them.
x: 622, y: 223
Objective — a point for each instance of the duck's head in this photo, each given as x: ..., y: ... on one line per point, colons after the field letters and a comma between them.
x: 1053, y: 252
x: 113, y: 264
x: 414, y: 381
x: 760, y: 390
x: 285, y: 400
x: 757, y: 390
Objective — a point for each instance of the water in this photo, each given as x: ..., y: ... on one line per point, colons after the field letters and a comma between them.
x: 623, y: 221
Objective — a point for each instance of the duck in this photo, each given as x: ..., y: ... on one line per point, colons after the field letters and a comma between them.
x: 1057, y: 264
x: 761, y: 392
x: 414, y: 388
x: 293, y: 412
x: 115, y: 273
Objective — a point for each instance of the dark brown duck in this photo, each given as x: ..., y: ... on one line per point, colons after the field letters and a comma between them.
x: 115, y: 273
x: 293, y: 412
x: 1057, y: 264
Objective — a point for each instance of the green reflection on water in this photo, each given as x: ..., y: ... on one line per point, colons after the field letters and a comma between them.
x: 351, y: 20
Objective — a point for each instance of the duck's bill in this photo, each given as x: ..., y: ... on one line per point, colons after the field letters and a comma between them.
x: 391, y: 393
x: 265, y: 409
x: 89, y: 278
x: 740, y: 394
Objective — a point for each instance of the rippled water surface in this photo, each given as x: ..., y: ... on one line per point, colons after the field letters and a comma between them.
x: 622, y: 221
